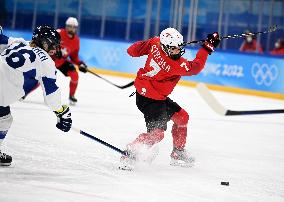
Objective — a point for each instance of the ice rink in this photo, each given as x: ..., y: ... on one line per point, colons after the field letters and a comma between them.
x: 49, y: 165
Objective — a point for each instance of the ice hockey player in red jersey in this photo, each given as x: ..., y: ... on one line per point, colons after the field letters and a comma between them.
x: 155, y: 81
x: 70, y: 45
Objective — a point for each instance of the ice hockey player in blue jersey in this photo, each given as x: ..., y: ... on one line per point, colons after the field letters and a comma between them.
x: 22, y: 67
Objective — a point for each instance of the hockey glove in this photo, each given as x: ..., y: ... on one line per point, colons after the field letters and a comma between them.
x: 58, y: 53
x: 83, y: 67
x: 64, y: 120
x: 211, y: 42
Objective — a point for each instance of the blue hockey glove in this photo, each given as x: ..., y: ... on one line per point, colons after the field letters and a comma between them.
x: 64, y: 120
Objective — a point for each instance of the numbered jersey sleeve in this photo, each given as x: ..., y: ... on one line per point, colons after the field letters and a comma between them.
x: 188, y: 68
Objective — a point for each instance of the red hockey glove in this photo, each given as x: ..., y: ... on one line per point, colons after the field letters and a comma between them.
x: 211, y: 42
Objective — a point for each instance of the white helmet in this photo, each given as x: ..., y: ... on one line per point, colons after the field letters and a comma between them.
x: 72, y: 22
x: 170, y: 37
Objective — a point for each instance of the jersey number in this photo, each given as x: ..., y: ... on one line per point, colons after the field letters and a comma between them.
x: 17, y: 59
x: 156, y: 69
x: 184, y: 65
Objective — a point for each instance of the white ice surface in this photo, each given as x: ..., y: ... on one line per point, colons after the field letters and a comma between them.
x: 49, y: 165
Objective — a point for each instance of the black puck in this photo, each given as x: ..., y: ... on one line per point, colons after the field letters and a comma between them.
x: 225, y: 183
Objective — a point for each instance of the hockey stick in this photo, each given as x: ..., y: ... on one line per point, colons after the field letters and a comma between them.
x: 103, y: 143
x: 121, y: 87
x: 204, y: 92
x: 271, y: 29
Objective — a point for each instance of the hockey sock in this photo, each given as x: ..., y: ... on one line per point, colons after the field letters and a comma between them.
x: 2, y: 136
x: 73, y: 82
x: 149, y: 139
x: 179, y: 129
x: 6, y: 120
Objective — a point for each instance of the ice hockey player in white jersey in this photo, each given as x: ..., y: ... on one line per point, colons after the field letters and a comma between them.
x: 22, y: 67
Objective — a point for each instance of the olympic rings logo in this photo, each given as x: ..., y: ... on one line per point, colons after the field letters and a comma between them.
x: 264, y: 73
x: 111, y: 55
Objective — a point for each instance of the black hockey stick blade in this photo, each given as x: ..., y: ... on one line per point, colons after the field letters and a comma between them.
x: 127, y: 85
x: 103, y: 143
x: 118, y: 86
x: 255, y: 112
x: 208, y: 97
x: 271, y: 29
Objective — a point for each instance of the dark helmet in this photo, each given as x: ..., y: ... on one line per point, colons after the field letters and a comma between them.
x: 46, y: 38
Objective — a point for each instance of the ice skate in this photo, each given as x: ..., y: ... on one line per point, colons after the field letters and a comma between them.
x: 180, y: 157
x: 127, y: 162
x: 5, y: 160
x: 72, y: 100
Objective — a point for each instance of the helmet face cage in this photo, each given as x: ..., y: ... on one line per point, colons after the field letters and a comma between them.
x: 46, y: 38
x: 170, y: 39
x: 168, y: 50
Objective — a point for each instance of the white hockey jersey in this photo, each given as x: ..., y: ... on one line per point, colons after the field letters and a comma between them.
x: 21, y: 69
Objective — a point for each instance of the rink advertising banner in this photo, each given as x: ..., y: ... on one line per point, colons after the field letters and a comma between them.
x: 247, y: 71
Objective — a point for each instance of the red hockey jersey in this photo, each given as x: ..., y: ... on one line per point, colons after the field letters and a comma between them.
x: 161, y: 73
x: 69, y: 48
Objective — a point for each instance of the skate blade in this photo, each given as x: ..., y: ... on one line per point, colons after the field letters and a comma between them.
x: 125, y: 167
x: 182, y: 163
x: 5, y: 164
x: 72, y: 103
